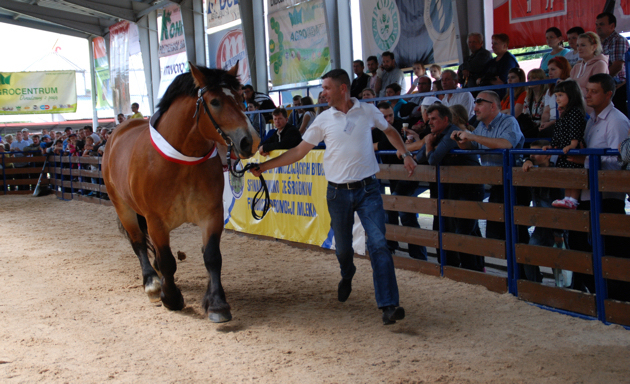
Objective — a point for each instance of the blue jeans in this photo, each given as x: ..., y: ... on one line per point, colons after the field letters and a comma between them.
x: 368, y: 204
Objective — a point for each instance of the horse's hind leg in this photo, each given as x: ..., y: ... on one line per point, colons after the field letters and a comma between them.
x: 214, y: 301
x: 135, y: 228
x: 171, y: 296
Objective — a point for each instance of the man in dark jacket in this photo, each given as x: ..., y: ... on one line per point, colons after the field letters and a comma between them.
x: 286, y: 136
x: 473, y: 66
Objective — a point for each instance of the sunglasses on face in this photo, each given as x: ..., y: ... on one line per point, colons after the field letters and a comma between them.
x: 479, y: 100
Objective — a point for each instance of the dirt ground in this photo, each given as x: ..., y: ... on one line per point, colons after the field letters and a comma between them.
x: 72, y: 309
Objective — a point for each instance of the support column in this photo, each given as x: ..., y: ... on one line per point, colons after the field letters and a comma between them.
x: 93, y: 84
x: 194, y: 31
x: 148, y: 33
x: 253, y: 23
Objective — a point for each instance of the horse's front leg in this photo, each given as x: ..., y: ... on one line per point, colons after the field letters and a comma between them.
x: 171, y: 296
x: 214, y: 301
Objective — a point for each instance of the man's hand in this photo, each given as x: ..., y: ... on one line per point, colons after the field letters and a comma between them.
x: 410, y: 164
x: 262, y: 152
x: 466, y: 73
x: 429, y: 141
x: 257, y: 171
x: 527, y: 165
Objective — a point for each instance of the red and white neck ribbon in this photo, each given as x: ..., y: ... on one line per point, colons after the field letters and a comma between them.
x: 171, y: 154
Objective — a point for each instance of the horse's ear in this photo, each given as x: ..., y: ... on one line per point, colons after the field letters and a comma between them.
x: 234, y: 70
x: 197, y: 75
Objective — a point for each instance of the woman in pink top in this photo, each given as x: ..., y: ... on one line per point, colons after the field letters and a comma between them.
x: 591, y: 62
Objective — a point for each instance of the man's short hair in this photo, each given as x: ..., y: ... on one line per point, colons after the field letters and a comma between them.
x: 24, y: 129
x: 35, y: 136
x: 605, y: 81
x: 494, y: 97
x: 383, y: 105
x: 453, y: 73
x: 67, y: 129
x: 577, y: 30
x: 360, y: 62
x: 135, y: 105
x: 388, y: 54
x: 280, y: 111
x: 611, y: 18
x: 89, y: 128
x: 339, y: 76
x: 372, y: 58
x: 297, y: 97
x: 248, y: 86
x: 394, y: 87
x: 540, y: 143
x: 477, y: 35
x: 502, y: 37
x: 442, y: 110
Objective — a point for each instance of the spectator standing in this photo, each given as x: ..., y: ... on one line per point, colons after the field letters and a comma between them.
x: 497, y: 69
x: 25, y: 136
x: 495, y: 131
x: 554, y: 41
x: 361, y: 81
x: 375, y: 73
x: 606, y: 128
x: 560, y: 69
x: 120, y: 118
x: 398, y: 187
x: 135, y: 108
x: 592, y: 61
x: 474, y: 65
x: 569, y: 133
x: 67, y: 133
x: 449, y: 82
x: 572, y: 37
x: 35, y: 147
x: 615, y: 47
x: 286, y: 135
x: 435, y: 151
x: 8, y: 141
x: 263, y: 100
x: 391, y: 73
x: 350, y: 166
x: 515, y: 75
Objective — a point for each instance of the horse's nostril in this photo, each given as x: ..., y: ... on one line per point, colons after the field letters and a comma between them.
x: 246, y: 145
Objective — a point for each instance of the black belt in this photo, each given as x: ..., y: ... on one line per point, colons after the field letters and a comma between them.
x: 354, y: 184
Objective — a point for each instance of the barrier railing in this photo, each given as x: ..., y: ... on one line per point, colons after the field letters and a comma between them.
x: 20, y: 174
x: 77, y: 177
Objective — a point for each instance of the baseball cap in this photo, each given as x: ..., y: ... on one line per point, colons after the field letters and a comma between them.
x: 430, y: 100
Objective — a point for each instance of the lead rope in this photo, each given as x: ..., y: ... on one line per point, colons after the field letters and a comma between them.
x: 234, y: 172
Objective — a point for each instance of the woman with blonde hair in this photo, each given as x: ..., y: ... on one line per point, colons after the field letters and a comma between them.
x: 535, y: 99
x: 592, y: 61
x: 460, y: 117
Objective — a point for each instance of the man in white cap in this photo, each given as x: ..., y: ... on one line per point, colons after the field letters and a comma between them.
x: 25, y: 137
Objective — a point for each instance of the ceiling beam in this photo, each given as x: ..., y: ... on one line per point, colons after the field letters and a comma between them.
x: 24, y: 22
x: 105, y: 9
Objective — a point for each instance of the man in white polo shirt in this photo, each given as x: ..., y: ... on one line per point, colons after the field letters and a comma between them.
x: 350, y: 166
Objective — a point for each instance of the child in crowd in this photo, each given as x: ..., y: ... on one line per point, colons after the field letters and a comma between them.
x: 57, y: 149
x: 569, y: 133
x: 436, y: 74
x: 6, y: 156
x: 89, y: 146
x: 72, y: 144
x: 368, y: 93
x: 418, y: 71
x: 542, y: 197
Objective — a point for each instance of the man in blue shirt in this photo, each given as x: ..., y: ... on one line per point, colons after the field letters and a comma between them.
x: 495, y: 131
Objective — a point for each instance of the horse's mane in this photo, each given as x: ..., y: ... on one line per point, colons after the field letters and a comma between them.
x: 184, y: 85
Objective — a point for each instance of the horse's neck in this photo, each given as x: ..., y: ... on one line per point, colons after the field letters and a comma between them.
x: 180, y: 129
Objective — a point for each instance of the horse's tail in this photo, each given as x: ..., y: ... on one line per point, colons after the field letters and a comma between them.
x: 142, y: 223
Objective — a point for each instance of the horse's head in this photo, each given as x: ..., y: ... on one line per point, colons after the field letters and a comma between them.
x: 221, y: 108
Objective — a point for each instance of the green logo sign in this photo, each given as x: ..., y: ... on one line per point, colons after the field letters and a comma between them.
x: 385, y: 24
x: 5, y: 80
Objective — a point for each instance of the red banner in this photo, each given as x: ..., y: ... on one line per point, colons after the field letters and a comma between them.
x: 525, y: 21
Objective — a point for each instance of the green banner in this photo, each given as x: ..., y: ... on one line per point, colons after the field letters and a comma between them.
x: 38, y: 92
x: 298, y: 43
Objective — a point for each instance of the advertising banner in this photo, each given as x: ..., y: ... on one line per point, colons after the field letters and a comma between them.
x: 38, y: 92
x: 101, y: 67
x: 526, y: 21
x: 298, y: 212
x: 171, y: 30
x: 119, y: 66
x: 228, y: 47
x: 171, y: 67
x: 414, y: 30
x: 222, y: 11
x: 298, y: 43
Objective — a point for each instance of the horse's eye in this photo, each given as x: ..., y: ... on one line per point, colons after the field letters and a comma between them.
x: 215, y: 102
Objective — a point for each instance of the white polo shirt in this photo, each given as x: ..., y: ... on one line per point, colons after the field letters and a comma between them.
x: 349, y: 152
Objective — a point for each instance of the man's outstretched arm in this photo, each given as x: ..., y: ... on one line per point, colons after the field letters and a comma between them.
x: 289, y: 157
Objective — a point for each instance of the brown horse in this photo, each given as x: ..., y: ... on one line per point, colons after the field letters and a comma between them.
x: 164, y: 174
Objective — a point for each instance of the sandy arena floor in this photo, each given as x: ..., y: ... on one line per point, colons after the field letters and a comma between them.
x: 72, y: 309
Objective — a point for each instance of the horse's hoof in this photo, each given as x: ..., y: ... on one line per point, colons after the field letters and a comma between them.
x: 153, y: 289
x: 174, y: 303
x: 220, y: 317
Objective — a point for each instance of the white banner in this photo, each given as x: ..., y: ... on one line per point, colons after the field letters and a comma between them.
x: 394, y: 25
x: 171, y: 67
x: 171, y: 31
x: 222, y: 11
x: 278, y: 5
x: 119, y: 66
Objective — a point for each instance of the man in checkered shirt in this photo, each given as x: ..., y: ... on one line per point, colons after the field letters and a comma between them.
x: 615, y: 46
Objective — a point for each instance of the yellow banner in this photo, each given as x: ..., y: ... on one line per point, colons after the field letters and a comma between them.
x: 38, y: 92
x: 298, y: 202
